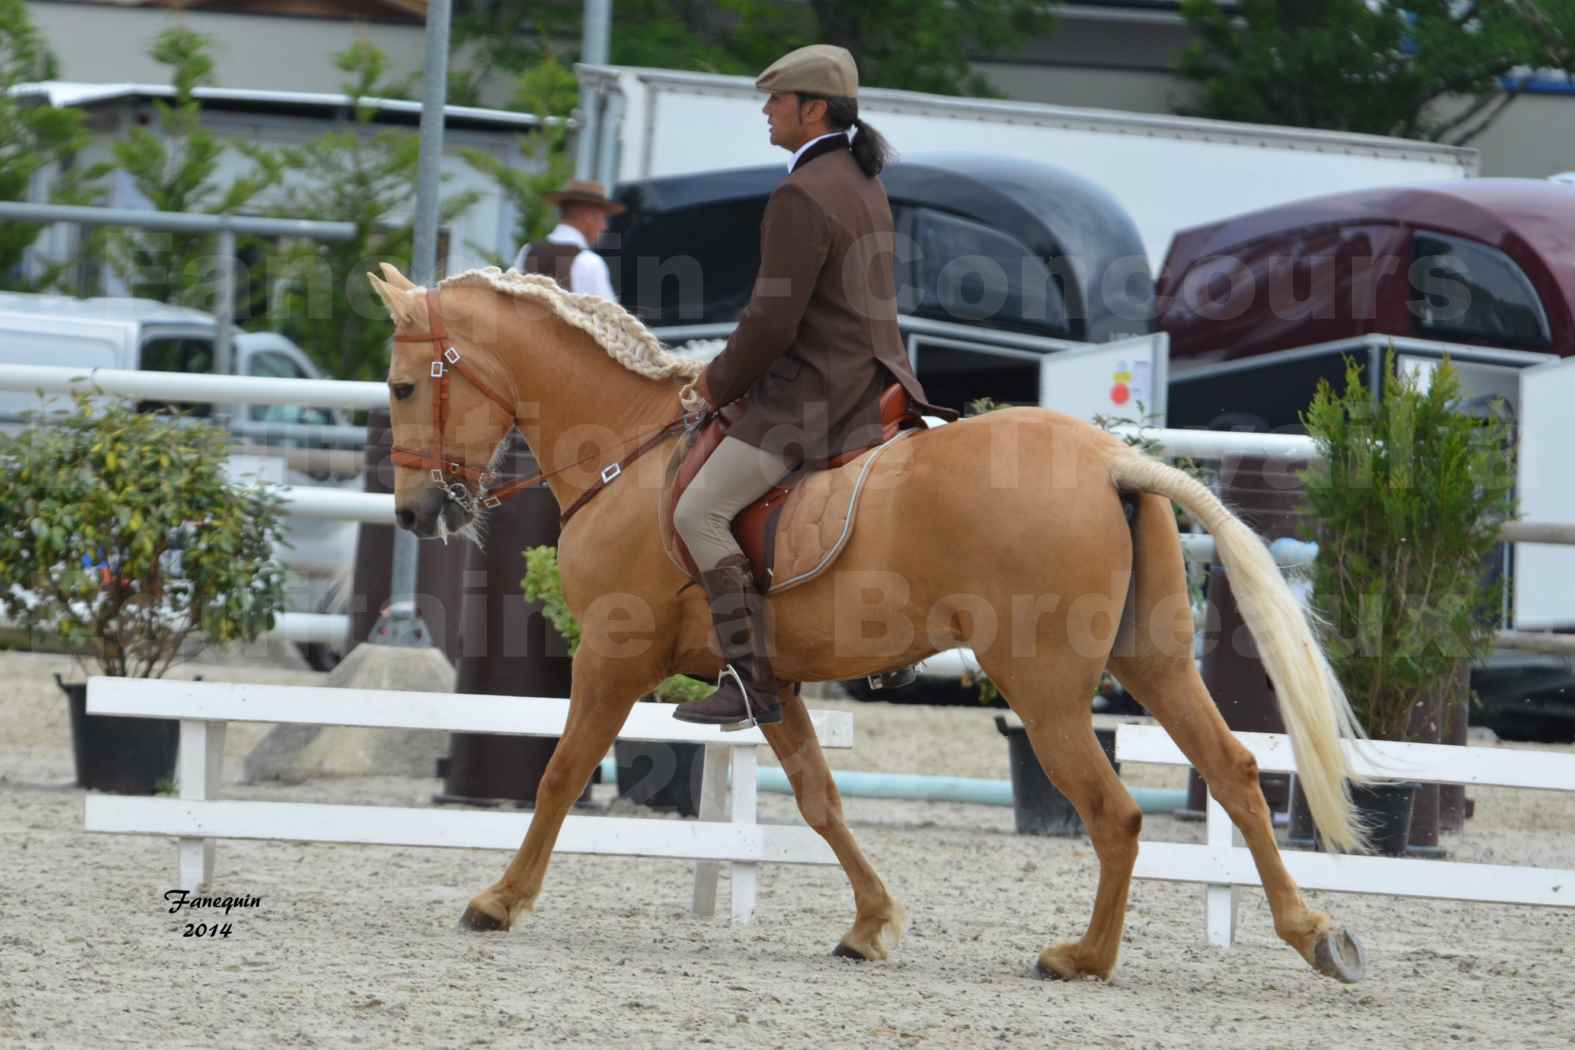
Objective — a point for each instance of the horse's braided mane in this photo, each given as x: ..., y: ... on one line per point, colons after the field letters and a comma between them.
x: 615, y: 329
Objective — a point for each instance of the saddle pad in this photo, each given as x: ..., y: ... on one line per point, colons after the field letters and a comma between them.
x: 810, y: 520
x: 817, y: 520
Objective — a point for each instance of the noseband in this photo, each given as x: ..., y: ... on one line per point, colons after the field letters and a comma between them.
x: 451, y: 471
x: 448, y: 470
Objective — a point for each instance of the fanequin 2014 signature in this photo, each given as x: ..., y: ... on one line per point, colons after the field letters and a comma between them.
x: 178, y: 899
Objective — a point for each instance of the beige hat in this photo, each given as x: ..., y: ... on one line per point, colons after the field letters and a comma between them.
x: 819, y: 69
x: 583, y: 191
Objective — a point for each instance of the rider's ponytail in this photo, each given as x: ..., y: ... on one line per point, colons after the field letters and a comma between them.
x: 870, y: 148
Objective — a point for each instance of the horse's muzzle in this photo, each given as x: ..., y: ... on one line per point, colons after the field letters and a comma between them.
x: 431, y: 513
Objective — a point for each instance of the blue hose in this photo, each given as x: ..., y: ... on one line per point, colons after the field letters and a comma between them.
x: 919, y: 788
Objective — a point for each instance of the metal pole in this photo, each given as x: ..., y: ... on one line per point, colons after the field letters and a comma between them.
x: 423, y: 265
x: 593, y: 51
x: 183, y: 222
x: 224, y: 310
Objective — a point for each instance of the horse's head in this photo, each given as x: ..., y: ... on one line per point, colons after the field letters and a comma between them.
x: 450, y: 403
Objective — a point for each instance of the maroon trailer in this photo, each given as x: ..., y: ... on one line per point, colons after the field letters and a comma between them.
x: 1262, y: 306
x: 1488, y: 262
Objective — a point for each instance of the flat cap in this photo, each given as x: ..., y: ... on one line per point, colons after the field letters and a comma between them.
x: 819, y: 69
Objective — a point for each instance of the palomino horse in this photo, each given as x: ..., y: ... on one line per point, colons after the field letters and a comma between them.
x: 1004, y: 532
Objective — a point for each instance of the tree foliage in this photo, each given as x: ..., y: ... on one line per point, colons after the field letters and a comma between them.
x: 547, y: 89
x: 362, y: 174
x: 918, y: 45
x: 1406, y: 508
x: 33, y: 139
x: 120, y: 531
x: 1441, y: 70
x: 177, y: 166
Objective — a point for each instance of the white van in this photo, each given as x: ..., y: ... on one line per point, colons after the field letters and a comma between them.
x: 138, y: 334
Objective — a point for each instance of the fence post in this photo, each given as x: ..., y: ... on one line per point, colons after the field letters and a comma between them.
x: 1219, y: 902
x: 197, y: 771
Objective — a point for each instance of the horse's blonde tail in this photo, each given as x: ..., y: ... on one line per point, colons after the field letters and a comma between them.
x: 1313, y: 705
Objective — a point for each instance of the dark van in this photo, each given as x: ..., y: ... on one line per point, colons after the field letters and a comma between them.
x: 999, y: 261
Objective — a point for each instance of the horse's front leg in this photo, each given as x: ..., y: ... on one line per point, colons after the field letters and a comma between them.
x: 600, y: 699
x: 880, y: 920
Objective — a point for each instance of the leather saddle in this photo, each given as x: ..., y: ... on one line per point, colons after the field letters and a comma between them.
x: 756, y: 527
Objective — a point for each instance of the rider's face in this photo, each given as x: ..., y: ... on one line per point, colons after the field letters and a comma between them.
x: 782, y: 118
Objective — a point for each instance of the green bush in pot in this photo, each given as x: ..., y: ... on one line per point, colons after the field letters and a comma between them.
x: 121, y: 536
x: 1406, y: 505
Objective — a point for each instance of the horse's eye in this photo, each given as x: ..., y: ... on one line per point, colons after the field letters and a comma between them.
x: 403, y: 390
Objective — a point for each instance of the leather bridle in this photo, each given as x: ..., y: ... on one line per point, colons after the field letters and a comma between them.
x: 450, y: 470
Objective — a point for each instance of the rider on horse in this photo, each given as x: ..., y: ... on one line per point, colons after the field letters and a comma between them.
x: 812, y: 352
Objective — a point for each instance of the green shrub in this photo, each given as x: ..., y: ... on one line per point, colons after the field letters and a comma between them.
x: 1407, y: 505
x: 119, y: 532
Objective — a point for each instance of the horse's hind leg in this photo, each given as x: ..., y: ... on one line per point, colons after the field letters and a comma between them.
x: 1177, y: 697
x: 880, y: 920
x: 1054, y: 696
x: 1153, y: 659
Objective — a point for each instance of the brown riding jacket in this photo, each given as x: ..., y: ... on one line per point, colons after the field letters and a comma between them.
x: 819, y: 341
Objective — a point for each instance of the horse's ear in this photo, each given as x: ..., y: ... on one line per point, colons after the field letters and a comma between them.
x: 401, y: 305
x: 392, y: 275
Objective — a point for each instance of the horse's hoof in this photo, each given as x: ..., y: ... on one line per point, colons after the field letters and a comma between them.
x: 1057, y: 963
x: 1063, y: 963
x: 1338, y: 954
x: 480, y: 921
x: 845, y: 951
x: 1050, y: 973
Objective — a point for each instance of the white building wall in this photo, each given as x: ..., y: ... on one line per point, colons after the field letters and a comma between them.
x: 98, y: 43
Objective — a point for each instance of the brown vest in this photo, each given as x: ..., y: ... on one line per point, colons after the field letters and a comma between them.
x: 554, y: 260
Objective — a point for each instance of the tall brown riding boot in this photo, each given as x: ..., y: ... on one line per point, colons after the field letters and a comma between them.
x: 746, y: 693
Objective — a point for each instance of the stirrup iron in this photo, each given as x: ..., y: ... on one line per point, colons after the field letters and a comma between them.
x: 902, y: 676
x: 748, y: 721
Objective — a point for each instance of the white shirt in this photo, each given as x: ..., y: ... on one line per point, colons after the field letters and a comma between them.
x: 588, y: 273
x: 800, y: 151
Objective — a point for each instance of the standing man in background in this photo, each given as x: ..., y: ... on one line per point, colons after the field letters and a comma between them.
x: 564, y: 254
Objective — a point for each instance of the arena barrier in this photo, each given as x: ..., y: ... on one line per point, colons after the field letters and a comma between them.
x: 1221, y: 866
x: 726, y: 833
x: 378, y: 508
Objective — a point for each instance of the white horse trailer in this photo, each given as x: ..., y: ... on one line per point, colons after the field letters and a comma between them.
x: 1168, y: 172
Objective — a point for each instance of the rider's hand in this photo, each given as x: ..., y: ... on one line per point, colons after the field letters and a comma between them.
x: 694, y: 397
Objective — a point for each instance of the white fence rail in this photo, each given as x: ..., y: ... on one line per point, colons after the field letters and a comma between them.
x: 375, y: 508
x: 1221, y: 866
x: 727, y: 831
x: 186, y: 386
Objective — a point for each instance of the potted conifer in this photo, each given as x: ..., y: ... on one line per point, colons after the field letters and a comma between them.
x: 1406, y: 507
x: 122, y: 538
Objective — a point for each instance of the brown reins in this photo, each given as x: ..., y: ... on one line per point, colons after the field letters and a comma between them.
x: 451, y: 470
